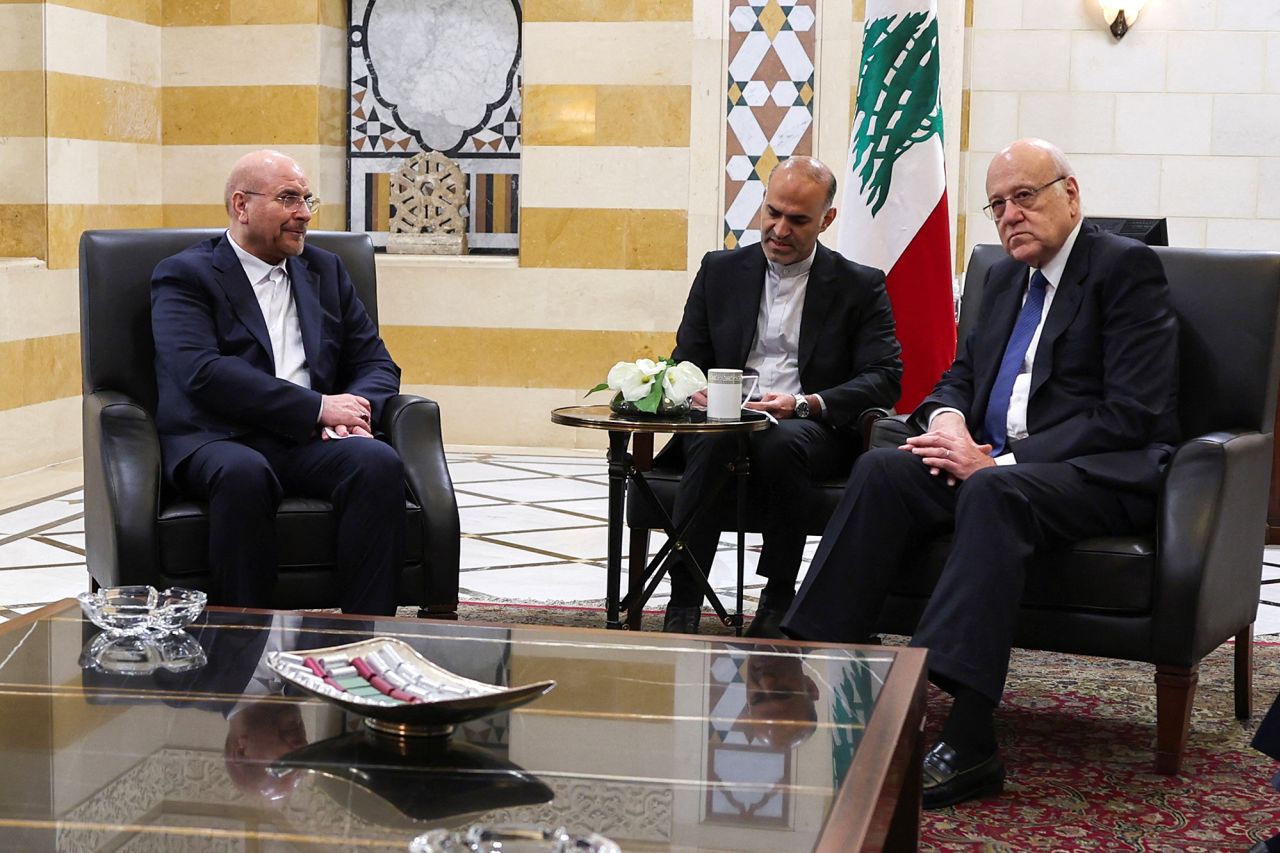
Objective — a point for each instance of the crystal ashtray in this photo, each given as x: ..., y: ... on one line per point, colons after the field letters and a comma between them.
x: 397, y: 690
x: 511, y: 839
x: 124, y: 611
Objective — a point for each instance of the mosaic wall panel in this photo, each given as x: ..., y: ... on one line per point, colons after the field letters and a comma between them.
x: 770, y: 102
x: 437, y: 75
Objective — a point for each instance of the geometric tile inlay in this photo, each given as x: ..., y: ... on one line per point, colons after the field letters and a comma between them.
x: 769, y: 102
x: 436, y: 75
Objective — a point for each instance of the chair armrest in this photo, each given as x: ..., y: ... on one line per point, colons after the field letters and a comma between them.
x: 121, y: 490
x: 867, y: 421
x: 1211, y: 527
x: 889, y: 431
x: 412, y: 424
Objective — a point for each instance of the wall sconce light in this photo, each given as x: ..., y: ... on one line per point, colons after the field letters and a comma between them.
x: 1120, y: 16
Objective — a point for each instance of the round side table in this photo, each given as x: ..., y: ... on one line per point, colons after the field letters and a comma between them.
x: 622, y: 468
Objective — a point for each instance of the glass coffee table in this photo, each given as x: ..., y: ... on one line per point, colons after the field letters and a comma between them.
x: 657, y: 742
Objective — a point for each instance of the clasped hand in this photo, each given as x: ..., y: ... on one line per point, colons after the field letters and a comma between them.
x: 948, y: 448
x: 346, y: 414
x: 781, y: 406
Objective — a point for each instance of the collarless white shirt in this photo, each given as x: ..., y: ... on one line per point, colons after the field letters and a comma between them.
x: 274, y: 292
x: 775, y: 352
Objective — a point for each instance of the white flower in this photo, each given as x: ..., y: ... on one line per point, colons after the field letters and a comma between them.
x: 649, y: 367
x: 682, y: 381
x: 632, y: 378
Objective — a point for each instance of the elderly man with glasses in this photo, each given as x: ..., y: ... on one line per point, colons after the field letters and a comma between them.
x: 271, y: 379
x: 1055, y: 423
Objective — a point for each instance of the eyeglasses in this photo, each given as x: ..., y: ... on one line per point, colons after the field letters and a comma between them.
x: 1024, y: 199
x: 292, y: 201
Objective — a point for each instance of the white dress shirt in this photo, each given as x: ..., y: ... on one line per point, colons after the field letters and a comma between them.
x: 775, y: 352
x: 274, y: 292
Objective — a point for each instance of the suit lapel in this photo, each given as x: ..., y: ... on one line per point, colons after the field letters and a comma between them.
x: 818, y: 294
x: 306, y: 296
x: 1066, y: 302
x: 746, y: 300
x: 229, y: 274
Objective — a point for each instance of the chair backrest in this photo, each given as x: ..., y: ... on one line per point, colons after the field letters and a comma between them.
x: 116, y: 348
x: 1228, y: 306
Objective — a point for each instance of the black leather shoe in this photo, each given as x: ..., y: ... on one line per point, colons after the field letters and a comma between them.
x: 765, y: 623
x: 944, y: 785
x: 681, y: 620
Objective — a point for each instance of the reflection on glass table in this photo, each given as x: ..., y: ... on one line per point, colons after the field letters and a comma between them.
x: 424, y: 779
x: 657, y: 742
x: 142, y: 654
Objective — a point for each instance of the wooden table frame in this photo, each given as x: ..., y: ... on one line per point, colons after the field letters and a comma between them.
x: 895, y: 741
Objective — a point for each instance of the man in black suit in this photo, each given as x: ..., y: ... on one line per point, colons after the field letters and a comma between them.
x: 818, y: 331
x: 271, y: 379
x: 1055, y: 423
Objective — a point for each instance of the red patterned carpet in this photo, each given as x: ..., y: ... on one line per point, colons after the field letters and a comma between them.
x: 1077, y: 736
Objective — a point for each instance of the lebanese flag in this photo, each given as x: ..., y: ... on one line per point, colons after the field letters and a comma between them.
x: 894, y: 210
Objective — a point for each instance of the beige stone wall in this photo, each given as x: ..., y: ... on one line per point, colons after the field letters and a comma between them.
x: 1178, y: 120
x: 129, y: 112
x: 619, y: 198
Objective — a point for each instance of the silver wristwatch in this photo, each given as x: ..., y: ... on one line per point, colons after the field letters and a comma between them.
x: 802, y: 407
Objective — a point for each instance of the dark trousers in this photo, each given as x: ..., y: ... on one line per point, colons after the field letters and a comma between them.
x: 1000, y: 518
x: 243, y: 481
x: 785, y: 459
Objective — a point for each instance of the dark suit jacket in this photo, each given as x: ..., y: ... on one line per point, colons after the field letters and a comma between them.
x: 215, y: 372
x: 848, y: 351
x: 1104, y: 381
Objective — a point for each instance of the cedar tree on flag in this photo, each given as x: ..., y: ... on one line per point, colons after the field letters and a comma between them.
x: 894, y: 211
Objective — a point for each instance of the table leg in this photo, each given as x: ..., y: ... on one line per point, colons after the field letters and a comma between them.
x: 676, y: 545
x: 904, y: 824
x: 638, y: 557
x: 636, y: 564
x: 619, y: 467
x: 741, y: 469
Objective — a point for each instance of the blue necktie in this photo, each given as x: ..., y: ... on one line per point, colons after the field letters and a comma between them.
x: 1024, y: 329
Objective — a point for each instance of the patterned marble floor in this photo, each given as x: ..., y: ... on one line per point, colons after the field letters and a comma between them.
x: 533, y: 526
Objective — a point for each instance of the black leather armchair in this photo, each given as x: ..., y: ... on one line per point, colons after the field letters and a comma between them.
x: 137, y: 531
x: 1170, y: 597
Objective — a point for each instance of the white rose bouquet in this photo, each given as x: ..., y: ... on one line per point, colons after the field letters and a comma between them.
x: 654, y: 386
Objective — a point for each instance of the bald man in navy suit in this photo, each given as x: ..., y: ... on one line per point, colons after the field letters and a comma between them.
x: 271, y: 379
x: 1055, y: 423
